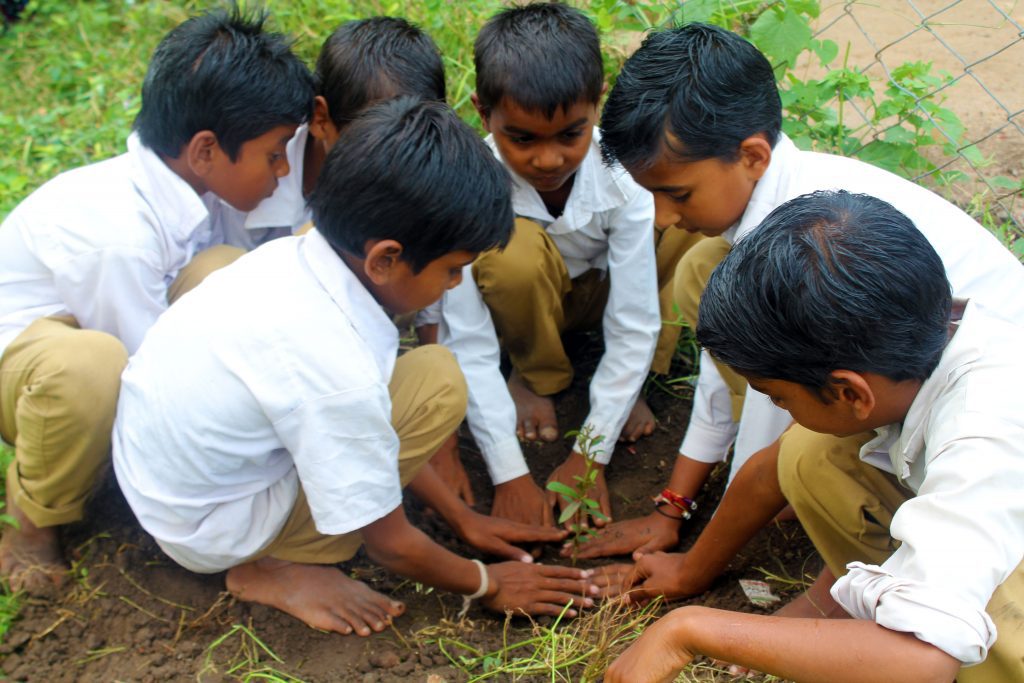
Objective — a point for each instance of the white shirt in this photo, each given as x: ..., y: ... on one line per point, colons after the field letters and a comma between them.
x: 977, y: 265
x: 102, y: 243
x: 283, y: 212
x: 606, y: 225
x: 961, y: 450
x: 274, y: 371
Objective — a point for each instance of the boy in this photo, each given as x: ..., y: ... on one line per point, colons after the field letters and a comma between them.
x: 361, y: 62
x: 89, y: 261
x: 695, y: 116
x: 839, y: 310
x: 265, y: 426
x: 581, y: 255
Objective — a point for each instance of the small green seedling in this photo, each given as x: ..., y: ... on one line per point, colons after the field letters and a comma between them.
x: 581, y: 507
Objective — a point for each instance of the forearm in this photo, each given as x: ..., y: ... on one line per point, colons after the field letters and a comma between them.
x: 403, y: 549
x: 429, y: 488
x: 689, y: 475
x: 832, y: 651
x: 752, y: 500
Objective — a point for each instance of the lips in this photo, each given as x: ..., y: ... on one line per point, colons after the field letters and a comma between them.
x: 548, y: 182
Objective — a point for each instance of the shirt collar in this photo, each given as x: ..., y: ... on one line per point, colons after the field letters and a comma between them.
x: 286, y: 208
x: 596, y: 188
x: 179, y: 210
x: 370, y: 321
x: 769, y: 191
x: 906, y: 442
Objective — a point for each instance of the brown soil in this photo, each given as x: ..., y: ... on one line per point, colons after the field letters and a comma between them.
x: 131, y: 614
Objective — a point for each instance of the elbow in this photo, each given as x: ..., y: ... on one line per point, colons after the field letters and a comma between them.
x: 935, y: 666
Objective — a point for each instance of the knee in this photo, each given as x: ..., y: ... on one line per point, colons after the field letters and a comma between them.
x: 449, y: 384
x: 802, y: 457
x: 517, y: 267
x: 92, y: 379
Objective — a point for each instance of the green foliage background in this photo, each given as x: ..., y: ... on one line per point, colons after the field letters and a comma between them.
x: 73, y: 70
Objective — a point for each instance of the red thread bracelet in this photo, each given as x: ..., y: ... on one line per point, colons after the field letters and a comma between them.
x: 682, y: 503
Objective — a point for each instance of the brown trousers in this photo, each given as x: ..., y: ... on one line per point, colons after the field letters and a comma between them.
x: 847, y: 506
x: 58, y: 396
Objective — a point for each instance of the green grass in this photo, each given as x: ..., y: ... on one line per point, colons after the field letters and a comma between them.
x: 10, y: 604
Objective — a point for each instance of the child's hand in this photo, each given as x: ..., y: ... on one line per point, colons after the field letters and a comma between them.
x: 575, y: 466
x: 521, y: 500
x: 655, y: 657
x: 496, y: 536
x: 538, y: 589
x: 661, y: 574
x: 643, y: 534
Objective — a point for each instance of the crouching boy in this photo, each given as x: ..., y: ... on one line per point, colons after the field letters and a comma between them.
x: 89, y: 260
x: 265, y: 426
x: 839, y: 311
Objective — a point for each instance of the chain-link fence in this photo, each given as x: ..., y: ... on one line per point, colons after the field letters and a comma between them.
x: 979, y: 45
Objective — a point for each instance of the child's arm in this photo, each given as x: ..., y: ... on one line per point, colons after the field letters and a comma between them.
x: 751, y: 502
x: 631, y: 322
x: 466, y: 328
x: 836, y: 651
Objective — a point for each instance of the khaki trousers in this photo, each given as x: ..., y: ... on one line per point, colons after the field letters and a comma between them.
x: 533, y: 301
x: 846, y: 506
x: 428, y: 401
x: 670, y: 246
x: 691, y: 278
x: 58, y: 396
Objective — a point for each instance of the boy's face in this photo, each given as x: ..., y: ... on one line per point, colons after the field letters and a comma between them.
x: 406, y: 292
x: 808, y: 409
x: 252, y: 177
x: 706, y: 196
x: 544, y: 152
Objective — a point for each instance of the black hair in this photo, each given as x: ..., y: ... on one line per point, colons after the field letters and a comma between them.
x: 222, y: 72
x: 542, y: 56
x: 369, y: 60
x: 708, y: 87
x: 412, y: 171
x: 828, y: 281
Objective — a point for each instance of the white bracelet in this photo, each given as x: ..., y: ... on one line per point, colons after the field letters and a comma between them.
x: 485, y: 584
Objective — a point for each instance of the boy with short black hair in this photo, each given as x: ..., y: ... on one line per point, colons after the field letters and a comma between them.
x: 582, y: 256
x: 695, y: 116
x: 90, y: 259
x: 839, y: 310
x: 362, y: 62
x: 307, y: 427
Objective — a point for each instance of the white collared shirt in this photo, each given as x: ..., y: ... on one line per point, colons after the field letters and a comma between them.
x: 283, y: 212
x: 607, y: 225
x: 961, y: 450
x: 102, y: 243
x: 274, y: 371
x: 977, y: 265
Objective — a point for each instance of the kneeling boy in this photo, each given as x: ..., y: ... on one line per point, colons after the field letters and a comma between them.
x: 89, y: 260
x: 839, y: 311
x: 265, y: 426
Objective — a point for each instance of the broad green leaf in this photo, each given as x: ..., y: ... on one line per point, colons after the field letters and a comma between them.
x: 559, y: 487
x: 568, y: 512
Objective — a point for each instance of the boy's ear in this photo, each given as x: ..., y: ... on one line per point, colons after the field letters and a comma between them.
x: 755, y: 155
x: 485, y: 114
x: 201, y: 152
x: 321, y: 126
x: 382, y: 257
x: 853, y: 390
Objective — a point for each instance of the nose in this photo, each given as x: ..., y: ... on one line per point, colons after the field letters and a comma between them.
x: 665, y: 213
x: 547, y: 159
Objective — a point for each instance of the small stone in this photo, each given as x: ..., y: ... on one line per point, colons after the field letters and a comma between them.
x: 440, y: 660
x: 426, y: 660
x: 385, y: 660
x: 364, y: 666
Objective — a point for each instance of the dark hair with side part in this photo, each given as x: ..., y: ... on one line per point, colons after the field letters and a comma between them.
x: 543, y: 56
x: 369, y: 60
x: 412, y: 171
x: 221, y: 72
x: 828, y: 281
x: 708, y: 87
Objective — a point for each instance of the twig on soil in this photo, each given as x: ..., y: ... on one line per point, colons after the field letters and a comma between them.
x: 100, y: 654
x: 132, y: 603
x: 135, y: 584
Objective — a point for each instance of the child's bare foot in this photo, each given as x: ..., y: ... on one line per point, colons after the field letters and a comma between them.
x: 319, y: 595
x: 30, y: 556
x: 640, y: 422
x: 534, y: 414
